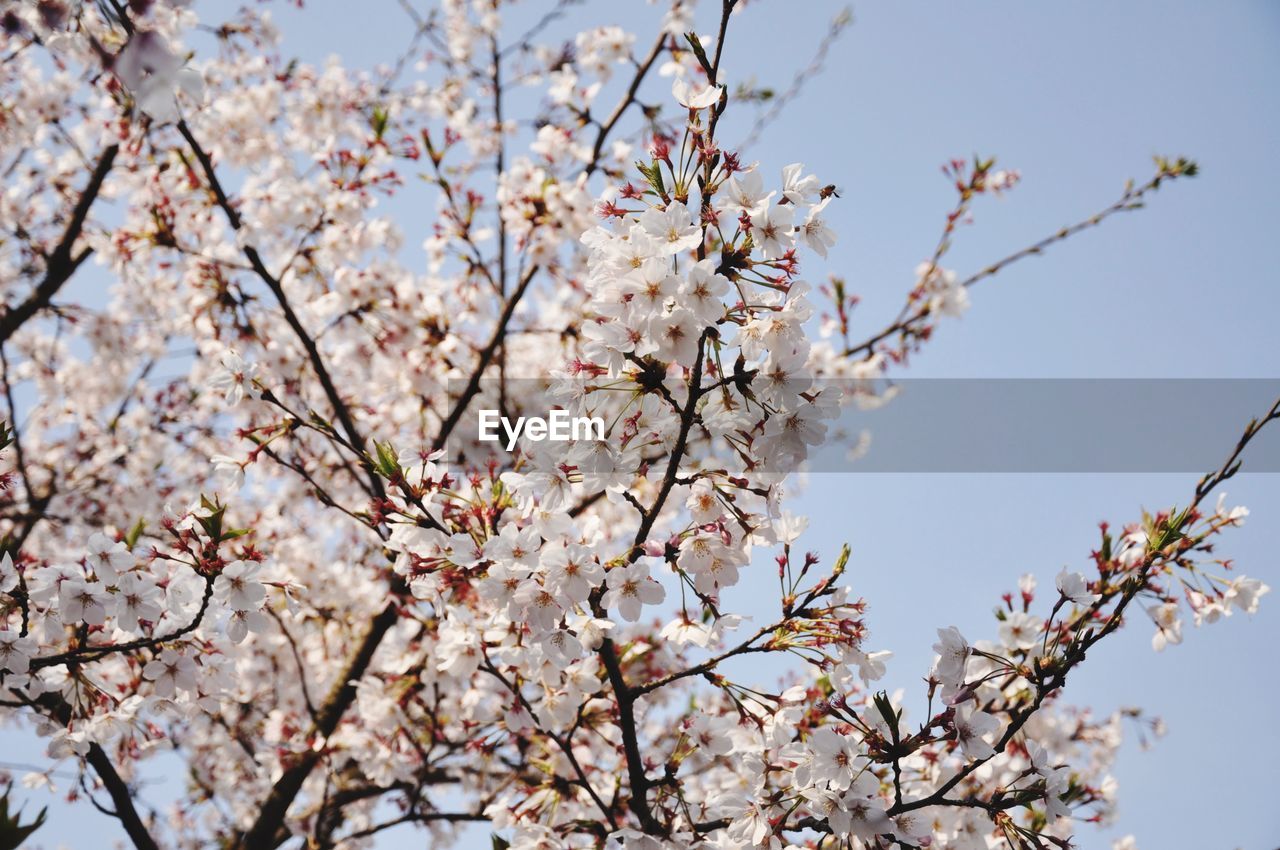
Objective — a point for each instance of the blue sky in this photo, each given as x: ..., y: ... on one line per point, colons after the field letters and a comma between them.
x: 1078, y: 97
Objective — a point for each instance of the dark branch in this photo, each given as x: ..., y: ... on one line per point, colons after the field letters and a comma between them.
x: 62, y: 263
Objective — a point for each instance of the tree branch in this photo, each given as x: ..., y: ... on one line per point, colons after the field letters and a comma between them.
x: 340, y: 408
x: 486, y: 357
x: 642, y: 70
x: 62, y: 263
x: 121, y: 796
x: 262, y: 834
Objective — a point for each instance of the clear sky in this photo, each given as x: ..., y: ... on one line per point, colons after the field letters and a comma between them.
x: 1078, y: 97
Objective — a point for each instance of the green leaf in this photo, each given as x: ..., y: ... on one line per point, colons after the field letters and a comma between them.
x: 891, y: 717
x: 379, y: 121
x: 131, y: 539
x: 388, y: 463
x: 841, y: 561
x: 653, y: 176
x: 212, y: 524
x: 500, y: 843
x: 13, y: 834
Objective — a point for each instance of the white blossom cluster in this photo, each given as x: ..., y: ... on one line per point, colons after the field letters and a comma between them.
x: 313, y: 276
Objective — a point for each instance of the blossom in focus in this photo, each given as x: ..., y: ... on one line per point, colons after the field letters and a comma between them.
x: 16, y: 651
x: 236, y: 375
x: 694, y: 96
x: 629, y: 589
x: 84, y: 601
x: 137, y: 599
x: 108, y: 557
x: 238, y: 588
x: 673, y: 228
x: 773, y: 229
x: 974, y: 729
x: 814, y: 231
x: 1074, y: 587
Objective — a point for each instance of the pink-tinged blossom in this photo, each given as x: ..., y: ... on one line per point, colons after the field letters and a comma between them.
x: 1074, y: 588
x: 573, y: 571
x: 773, y: 230
x: 238, y: 587
x: 678, y: 335
x: 832, y: 760
x: 241, y: 622
x: 696, y: 96
x: 814, y: 231
x: 974, y: 732
x: 108, y: 558
x: 797, y: 187
x: 16, y: 651
x: 1021, y: 630
x: 510, y: 627
x: 629, y: 589
x: 137, y: 598
x: 8, y: 574
x: 155, y: 74
x: 703, y: 291
x: 953, y: 655
x: 562, y: 647
x: 743, y: 194
x: 83, y: 601
x: 235, y: 376
x: 171, y: 672
x: 673, y: 229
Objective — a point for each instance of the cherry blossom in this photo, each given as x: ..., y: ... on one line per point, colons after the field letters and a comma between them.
x: 16, y: 651
x: 1075, y: 588
x: 171, y: 672
x: 108, y: 557
x: 695, y: 97
x: 247, y: 523
x: 631, y: 588
x: 151, y: 69
x: 8, y: 574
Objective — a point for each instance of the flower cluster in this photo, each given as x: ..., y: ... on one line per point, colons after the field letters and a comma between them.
x: 354, y: 618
